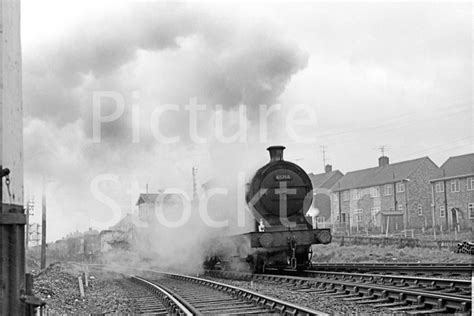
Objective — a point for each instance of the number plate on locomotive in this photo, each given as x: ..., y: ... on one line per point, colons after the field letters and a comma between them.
x: 282, y: 177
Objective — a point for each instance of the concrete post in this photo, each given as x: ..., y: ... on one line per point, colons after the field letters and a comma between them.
x: 12, y: 217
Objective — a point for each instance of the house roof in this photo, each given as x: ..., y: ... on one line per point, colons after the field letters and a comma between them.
x: 147, y: 198
x: 457, y: 166
x: 212, y: 182
x: 166, y: 198
x: 390, y: 173
x: 323, y: 180
x: 126, y: 223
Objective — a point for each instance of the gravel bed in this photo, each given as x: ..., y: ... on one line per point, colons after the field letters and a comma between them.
x: 107, y: 293
x: 325, y: 304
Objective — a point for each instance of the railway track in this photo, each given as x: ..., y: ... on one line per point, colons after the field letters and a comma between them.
x: 453, y: 269
x: 188, y: 295
x: 413, y: 295
x: 460, y: 286
x: 146, y: 299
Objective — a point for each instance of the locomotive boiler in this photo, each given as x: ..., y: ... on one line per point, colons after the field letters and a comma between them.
x: 279, y: 196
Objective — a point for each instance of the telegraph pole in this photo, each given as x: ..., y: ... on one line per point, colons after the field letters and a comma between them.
x: 43, y: 227
x: 30, y: 207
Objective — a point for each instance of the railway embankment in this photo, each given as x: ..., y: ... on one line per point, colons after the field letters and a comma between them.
x: 58, y: 285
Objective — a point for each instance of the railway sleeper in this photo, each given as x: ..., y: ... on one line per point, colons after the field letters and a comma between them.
x: 428, y: 311
x: 311, y: 290
x: 374, y: 301
x: 347, y: 295
x: 222, y: 308
x: 359, y: 298
x: 407, y: 307
x: 391, y: 304
x: 328, y: 292
x: 362, y: 294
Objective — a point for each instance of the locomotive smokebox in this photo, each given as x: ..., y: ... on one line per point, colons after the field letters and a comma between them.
x: 280, y: 192
x: 276, y: 153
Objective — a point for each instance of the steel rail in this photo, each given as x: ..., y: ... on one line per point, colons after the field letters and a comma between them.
x: 452, y: 285
x: 397, y: 297
x: 441, y: 268
x: 173, y: 304
x: 271, y: 304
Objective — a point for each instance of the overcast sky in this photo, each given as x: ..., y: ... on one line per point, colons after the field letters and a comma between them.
x: 393, y: 74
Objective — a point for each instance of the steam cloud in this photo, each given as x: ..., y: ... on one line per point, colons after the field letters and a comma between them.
x: 169, y: 53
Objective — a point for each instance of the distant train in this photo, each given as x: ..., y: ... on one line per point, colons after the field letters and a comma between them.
x: 279, y: 196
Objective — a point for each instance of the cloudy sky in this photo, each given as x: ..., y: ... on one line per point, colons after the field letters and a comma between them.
x: 393, y: 74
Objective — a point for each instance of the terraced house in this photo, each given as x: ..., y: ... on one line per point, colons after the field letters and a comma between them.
x: 388, y: 197
x: 453, y: 193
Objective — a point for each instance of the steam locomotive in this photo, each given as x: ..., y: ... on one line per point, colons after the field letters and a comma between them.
x: 279, y: 196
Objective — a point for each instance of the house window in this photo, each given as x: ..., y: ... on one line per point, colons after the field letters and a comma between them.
x: 455, y: 186
x: 420, y: 210
x: 388, y: 189
x: 358, y: 215
x: 400, y: 187
x: 373, y: 213
x: 442, y: 211
x: 470, y: 210
x: 343, y: 219
x: 345, y: 196
x: 356, y: 194
x: 374, y: 192
x: 470, y: 184
x: 439, y: 187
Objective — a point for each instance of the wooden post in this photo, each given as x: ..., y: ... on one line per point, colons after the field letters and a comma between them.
x: 81, y: 286
x: 86, y: 275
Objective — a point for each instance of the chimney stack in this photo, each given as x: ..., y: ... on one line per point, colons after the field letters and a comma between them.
x: 383, y: 161
x: 276, y: 153
x: 328, y: 168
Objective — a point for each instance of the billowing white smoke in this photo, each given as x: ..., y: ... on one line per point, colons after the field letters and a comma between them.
x: 169, y: 53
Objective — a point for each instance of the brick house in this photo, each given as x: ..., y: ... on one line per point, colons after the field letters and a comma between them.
x: 453, y: 193
x: 322, y: 183
x: 160, y: 208
x: 387, y: 197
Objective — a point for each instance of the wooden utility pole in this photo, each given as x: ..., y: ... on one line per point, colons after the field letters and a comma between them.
x: 43, y: 228
x: 30, y: 207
